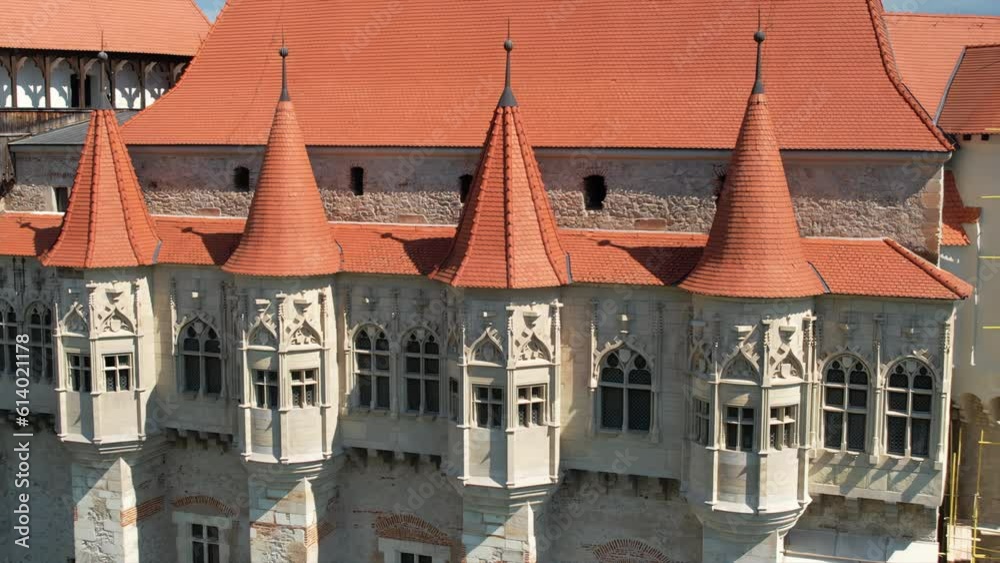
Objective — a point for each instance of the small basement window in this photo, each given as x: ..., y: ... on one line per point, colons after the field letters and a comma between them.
x: 358, y: 180
x: 241, y: 179
x: 594, y: 192
x: 464, y: 185
x: 61, y: 194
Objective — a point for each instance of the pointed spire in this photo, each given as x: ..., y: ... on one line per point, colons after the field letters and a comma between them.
x: 754, y: 249
x: 507, y: 99
x: 286, y: 233
x: 284, y: 69
x: 759, y: 37
x: 507, y: 236
x: 107, y: 224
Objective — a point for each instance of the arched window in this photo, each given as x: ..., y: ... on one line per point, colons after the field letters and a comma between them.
x: 8, y: 339
x: 909, y: 397
x: 40, y: 330
x: 845, y: 404
x: 594, y: 192
x: 422, y: 372
x: 202, y: 359
x: 626, y: 392
x: 371, y: 362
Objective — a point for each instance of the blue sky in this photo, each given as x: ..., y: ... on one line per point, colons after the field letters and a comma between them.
x: 992, y: 7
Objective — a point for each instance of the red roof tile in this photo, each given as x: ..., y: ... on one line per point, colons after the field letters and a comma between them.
x: 286, y: 230
x: 954, y: 213
x: 165, y: 27
x: 106, y: 224
x: 927, y: 47
x: 972, y: 104
x: 862, y: 267
x: 754, y: 248
x: 597, y: 73
x: 507, y: 235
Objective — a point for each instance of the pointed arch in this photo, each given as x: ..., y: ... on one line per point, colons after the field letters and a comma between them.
x: 487, y: 349
x: 262, y: 336
x: 372, y: 367
x: 38, y: 323
x: 534, y: 349
x: 741, y: 368
x: 911, y: 387
x: 848, y: 383
x: 305, y: 335
x: 421, y: 369
x: 200, y: 358
x: 8, y: 338
x: 625, y: 398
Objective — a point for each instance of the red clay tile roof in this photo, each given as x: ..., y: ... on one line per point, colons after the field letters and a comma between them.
x: 861, y: 267
x: 754, y: 247
x: 597, y: 73
x: 165, y: 27
x: 507, y: 235
x: 286, y: 229
x: 972, y: 103
x: 927, y: 48
x: 954, y: 214
x: 106, y: 224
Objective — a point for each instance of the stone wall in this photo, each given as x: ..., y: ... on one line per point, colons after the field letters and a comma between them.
x: 842, y: 194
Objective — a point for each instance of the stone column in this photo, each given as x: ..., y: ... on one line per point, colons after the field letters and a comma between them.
x: 499, y: 524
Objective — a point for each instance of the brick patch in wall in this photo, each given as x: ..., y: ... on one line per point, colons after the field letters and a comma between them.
x: 324, y: 530
x: 208, y: 501
x: 407, y: 527
x: 130, y: 516
x: 629, y: 551
x: 312, y: 536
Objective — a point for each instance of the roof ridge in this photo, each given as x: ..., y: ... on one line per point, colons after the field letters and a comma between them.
x: 959, y: 287
x: 877, y: 13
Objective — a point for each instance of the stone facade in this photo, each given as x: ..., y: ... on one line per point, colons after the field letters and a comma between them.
x: 315, y: 438
x: 896, y: 195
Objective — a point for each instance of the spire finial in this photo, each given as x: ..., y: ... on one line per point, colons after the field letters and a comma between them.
x: 284, y: 69
x: 507, y: 99
x: 102, y: 99
x: 759, y: 37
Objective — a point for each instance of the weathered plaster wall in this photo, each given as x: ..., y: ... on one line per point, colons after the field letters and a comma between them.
x: 845, y: 195
x: 53, y: 510
x: 608, y: 518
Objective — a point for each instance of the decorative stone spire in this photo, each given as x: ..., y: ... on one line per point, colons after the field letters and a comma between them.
x: 754, y: 249
x: 107, y: 224
x: 286, y: 234
x: 507, y: 236
x: 103, y: 101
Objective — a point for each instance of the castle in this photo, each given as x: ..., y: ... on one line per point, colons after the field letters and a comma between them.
x: 513, y: 388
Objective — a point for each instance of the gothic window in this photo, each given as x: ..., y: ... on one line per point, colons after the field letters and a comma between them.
x: 488, y: 404
x: 304, y: 388
x: 371, y: 362
x: 40, y: 347
x: 422, y: 373
x: 201, y: 352
x: 8, y: 339
x: 531, y: 405
x: 79, y: 372
x: 594, y: 192
x: 700, y: 422
x: 909, y: 397
x: 117, y: 372
x: 782, y: 427
x: 845, y: 404
x: 453, y: 398
x: 265, y: 386
x: 739, y: 428
x: 626, y: 397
